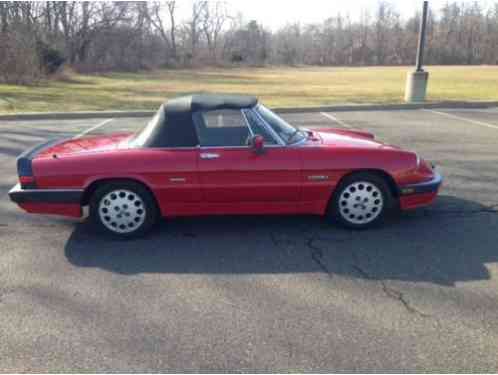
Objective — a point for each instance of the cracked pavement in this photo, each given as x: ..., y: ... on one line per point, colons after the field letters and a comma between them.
x: 264, y: 293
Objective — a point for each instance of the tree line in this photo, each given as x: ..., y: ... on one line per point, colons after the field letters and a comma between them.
x: 37, y: 38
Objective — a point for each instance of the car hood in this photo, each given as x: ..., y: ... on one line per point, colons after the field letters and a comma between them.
x: 86, y: 144
x: 350, y: 138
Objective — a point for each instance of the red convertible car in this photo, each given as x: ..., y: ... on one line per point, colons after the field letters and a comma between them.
x: 217, y: 154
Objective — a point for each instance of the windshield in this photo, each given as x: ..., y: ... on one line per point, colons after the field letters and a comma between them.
x: 144, y: 133
x: 287, y: 132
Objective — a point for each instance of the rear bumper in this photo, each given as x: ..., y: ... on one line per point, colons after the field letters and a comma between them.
x: 19, y: 195
x: 420, y: 195
x: 65, y: 202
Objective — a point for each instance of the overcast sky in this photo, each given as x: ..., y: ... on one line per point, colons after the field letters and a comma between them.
x: 276, y: 13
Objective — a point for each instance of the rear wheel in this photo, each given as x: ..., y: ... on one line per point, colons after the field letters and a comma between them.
x: 123, y: 209
x: 361, y: 201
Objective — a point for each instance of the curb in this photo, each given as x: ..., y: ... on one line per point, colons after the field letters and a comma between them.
x: 334, y: 108
x: 74, y: 115
x: 390, y: 107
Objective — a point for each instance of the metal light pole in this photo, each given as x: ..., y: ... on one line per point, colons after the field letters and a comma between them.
x: 416, y: 82
x: 421, y: 38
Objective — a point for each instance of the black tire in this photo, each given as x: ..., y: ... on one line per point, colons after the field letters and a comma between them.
x: 141, y: 216
x: 370, y: 206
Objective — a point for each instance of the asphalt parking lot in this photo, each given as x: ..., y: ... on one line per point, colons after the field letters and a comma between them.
x: 264, y: 293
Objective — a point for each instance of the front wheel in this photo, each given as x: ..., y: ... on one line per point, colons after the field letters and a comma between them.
x: 361, y: 201
x: 124, y: 210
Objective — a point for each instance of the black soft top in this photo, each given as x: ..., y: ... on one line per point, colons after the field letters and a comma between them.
x: 175, y: 127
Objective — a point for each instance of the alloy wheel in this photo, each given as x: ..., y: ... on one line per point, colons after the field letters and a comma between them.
x: 361, y: 203
x: 122, y: 211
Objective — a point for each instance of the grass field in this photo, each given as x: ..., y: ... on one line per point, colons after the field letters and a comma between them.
x: 276, y: 86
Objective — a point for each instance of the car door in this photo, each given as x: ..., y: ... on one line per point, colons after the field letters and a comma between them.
x: 234, y: 178
x: 172, y: 173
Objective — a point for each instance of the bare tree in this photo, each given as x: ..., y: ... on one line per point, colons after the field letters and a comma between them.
x: 83, y: 21
x: 167, y: 32
x: 214, y: 16
x: 288, y: 45
x: 386, y: 18
x: 4, y: 16
x: 193, y: 28
x: 96, y: 36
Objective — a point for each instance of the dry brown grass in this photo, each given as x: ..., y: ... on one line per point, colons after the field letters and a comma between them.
x: 276, y: 86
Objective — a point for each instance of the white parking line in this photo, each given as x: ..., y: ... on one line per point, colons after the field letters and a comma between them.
x: 335, y: 119
x: 475, y: 122
x: 93, y: 128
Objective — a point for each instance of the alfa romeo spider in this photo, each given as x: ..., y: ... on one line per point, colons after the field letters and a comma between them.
x: 213, y: 154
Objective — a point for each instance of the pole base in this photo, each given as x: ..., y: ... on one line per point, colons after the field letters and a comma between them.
x: 416, y: 86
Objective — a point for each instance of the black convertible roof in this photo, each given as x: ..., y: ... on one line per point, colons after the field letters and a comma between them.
x: 175, y: 126
x: 210, y: 102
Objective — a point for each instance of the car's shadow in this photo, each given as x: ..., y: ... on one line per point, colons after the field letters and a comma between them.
x: 445, y: 244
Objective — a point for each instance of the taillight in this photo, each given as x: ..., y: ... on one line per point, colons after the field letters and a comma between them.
x: 25, y: 172
x: 27, y: 182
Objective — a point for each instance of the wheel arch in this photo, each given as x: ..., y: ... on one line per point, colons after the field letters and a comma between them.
x: 393, y: 187
x: 94, y: 185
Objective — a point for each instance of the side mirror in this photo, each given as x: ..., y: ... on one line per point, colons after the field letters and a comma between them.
x: 257, y: 144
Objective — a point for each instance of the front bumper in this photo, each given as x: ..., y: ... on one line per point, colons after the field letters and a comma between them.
x: 427, y: 187
x: 55, y: 196
x: 420, y: 195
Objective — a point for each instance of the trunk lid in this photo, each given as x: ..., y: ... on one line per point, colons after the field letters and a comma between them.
x: 86, y: 144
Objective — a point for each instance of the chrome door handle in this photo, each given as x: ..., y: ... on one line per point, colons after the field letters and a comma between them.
x: 209, y: 156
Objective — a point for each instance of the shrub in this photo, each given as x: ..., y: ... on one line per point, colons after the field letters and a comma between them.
x: 50, y: 58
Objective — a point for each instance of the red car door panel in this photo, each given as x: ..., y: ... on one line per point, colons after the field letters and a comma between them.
x: 239, y: 175
x: 175, y: 181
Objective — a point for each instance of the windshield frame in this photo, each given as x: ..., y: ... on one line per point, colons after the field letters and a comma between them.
x: 282, y: 123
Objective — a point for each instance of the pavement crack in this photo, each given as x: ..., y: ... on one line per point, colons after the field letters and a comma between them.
x: 274, y: 240
x: 317, y: 255
x: 399, y: 296
x: 280, y: 243
x: 316, y: 252
x: 388, y: 291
